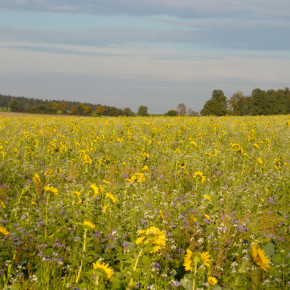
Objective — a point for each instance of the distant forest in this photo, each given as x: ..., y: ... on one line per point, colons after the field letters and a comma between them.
x: 37, y: 106
x: 260, y: 102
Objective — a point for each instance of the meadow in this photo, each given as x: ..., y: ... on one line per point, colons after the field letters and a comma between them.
x: 144, y: 203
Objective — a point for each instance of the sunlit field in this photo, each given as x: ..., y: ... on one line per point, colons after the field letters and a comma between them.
x: 144, y: 203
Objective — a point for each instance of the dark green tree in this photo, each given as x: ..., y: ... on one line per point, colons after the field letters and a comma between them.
x: 143, y: 111
x: 216, y: 106
x: 128, y: 112
x: 13, y: 105
x: 171, y: 113
x: 260, y: 103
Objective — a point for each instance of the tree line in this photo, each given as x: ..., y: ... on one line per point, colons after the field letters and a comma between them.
x: 37, y: 106
x: 260, y: 102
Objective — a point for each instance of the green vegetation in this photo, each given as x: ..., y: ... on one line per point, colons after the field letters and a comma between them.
x: 148, y: 203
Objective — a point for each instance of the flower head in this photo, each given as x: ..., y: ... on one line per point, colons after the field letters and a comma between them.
x: 260, y: 258
x: 205, y: 257
x: 4, y: 231
x: 51, y: 189
x: 105, y: 268
x: 89, y: 225
x: 95, y: 190
x: 212, y: 280
x: 36, y: 179
x: 152, y: 236
x: 208, y: 198
x: 188, y: 261
x: 112, y: 197
x: 198, y: 175
x: 207, y: 217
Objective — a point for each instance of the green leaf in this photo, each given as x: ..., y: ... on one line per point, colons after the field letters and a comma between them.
x: 269, y: 249
x: 89, y: 259
x: 117, y: 284
x: 187, y: 284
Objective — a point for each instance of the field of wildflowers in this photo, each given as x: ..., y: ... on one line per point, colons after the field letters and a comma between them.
x: 144, y: 203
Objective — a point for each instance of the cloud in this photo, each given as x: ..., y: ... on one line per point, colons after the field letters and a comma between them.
x: 181, y: 8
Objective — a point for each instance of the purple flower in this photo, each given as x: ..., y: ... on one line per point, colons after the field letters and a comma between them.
x: 155, y: 267
x: 175, y: 284
x: 97, y: 234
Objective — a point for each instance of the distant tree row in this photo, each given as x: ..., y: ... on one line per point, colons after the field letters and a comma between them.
x: 34, y: 106
x: 260, y: 102
x: 181, y: 111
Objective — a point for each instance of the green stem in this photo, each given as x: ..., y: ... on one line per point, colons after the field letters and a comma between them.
x: 83, y: 256
x: 137, y: 260
x: 136, y: 265
x: 241, y: 271
x: 46, y: 215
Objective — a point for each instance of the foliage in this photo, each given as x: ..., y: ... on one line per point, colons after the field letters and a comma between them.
x: 34, y: 106
x: 143, y: 111
x: 164, y: 203
x: 216, y: 106
x: 171, y: 113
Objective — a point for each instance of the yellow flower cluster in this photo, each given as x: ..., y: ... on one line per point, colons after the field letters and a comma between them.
x: 153, y: 236
x: 96, y: 189
x: 137, y: 177
x: 4, y: 231
x: 190, y: 259
x: 51, y: 189
x: 36, y: 179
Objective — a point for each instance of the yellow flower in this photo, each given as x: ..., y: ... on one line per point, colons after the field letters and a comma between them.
x: 140, y: 240
x: 77, y: 194
x: 152, y: 236
x: 161, y: 214
x: 205, y: 258
x: 260, y: 258
x: 208, y: 198
x: 36, y: 178
x: 104, y: 210
x: 145, y: 168
x: 207, y: 217
x: 159, y: 240
x: 188, y: 261
x: 198, y: 175
x: 260, y: 161
x: 2, y: 204
x: 278, y: 164
x: 51, y: 189
x: 95, y: 190
x: 89, y: 225
x: 105, y: 268
x: 236, y: 146
x: 212, y: 280
x: 112, y: 197
x: 4, y: 231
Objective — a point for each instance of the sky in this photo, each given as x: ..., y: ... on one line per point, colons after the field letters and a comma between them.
x: 157, y: 53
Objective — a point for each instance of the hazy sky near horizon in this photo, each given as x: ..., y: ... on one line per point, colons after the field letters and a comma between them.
x: 158, y: 53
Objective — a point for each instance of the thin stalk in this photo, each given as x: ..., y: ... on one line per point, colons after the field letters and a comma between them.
x: 83, y: 256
